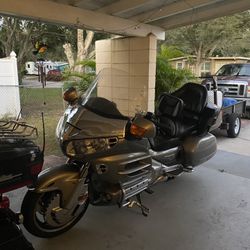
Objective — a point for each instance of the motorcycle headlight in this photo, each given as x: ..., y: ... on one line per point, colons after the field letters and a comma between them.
x: 87, y: 146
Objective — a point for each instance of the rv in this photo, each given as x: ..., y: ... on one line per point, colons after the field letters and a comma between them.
x: 32, y: 67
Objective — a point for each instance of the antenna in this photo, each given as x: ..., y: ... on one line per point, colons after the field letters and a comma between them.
x: 43, y: 148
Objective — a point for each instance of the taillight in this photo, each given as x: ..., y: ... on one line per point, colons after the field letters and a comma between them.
x: 36, y: 169
x: 4, y: 202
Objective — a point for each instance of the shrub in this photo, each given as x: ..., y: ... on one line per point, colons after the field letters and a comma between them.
x: 169, y: 79
x: 80, y: 80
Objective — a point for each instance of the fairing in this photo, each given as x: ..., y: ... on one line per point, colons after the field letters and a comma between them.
x: 95, y: 115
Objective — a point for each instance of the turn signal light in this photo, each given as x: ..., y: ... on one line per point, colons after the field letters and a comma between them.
x: 70, y: 95
x: 137, y: 131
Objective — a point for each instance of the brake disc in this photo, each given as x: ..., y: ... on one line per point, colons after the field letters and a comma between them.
x: 53, y: 214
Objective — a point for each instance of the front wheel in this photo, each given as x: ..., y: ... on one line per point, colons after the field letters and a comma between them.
x: 234, y: 122
x: 44, y: 216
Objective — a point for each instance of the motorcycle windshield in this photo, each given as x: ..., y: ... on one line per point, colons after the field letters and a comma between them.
x: 110, y: 95
x: 107, y: 97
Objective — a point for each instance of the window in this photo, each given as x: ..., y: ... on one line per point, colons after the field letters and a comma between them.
x: 179, y: 65
x: 205, y: 68
x: 28, y: 66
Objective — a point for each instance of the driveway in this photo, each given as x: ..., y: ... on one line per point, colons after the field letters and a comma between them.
x: 239, y: 145
x: 206, y: 210
x: 32, y: 81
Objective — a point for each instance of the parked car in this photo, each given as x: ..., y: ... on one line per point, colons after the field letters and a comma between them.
x: 234, y: 81
x: 54, y: 75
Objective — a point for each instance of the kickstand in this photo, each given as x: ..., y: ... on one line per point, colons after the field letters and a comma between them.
x: 138, y: 203
x: 144, y: 210
x: 149, y: 191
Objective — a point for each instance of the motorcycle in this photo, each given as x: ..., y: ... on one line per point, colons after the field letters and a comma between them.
x: 21, y: 161
x: 113, y: 158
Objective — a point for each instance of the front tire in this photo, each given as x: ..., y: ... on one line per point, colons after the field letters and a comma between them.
x: 43, y: 216
x: 234, y: 122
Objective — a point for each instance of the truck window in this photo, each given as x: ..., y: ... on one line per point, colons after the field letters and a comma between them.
x: 245, y: 70
x: 234, y: 70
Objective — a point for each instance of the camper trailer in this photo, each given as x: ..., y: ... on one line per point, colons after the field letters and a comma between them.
x: 32, y: 67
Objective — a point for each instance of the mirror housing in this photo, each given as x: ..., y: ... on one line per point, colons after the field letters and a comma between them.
x: 70, y: 95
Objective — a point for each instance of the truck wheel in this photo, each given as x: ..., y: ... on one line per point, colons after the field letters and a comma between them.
x: 234, y: 122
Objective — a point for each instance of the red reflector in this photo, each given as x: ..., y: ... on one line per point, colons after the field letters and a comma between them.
x: 36, y: 169
x: 4, y: 202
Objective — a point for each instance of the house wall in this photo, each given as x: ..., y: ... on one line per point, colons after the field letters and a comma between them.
x: 132, y: 88
x: 215, y: 63
x: 186, y: 64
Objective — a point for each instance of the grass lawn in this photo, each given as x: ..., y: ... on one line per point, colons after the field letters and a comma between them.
x: 50, y: 102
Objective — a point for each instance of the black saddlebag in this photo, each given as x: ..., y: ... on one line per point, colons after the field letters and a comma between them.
x: 11, y: 236
x: 20, y: 163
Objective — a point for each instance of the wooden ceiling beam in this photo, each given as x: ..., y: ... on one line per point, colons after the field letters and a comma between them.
x: 122, y: 6
x: 219, y: 9
x: 171, y: 9
x: 49, y: 11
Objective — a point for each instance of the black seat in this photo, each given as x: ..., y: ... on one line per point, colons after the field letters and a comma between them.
x: 181, y: 113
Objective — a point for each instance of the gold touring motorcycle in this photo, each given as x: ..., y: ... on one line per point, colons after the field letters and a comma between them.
x: 113, y: 158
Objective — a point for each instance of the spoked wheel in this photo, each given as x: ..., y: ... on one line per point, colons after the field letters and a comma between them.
x: 234, y: 122
x: 44, y: 216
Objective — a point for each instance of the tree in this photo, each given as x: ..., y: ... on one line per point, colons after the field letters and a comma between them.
x: 15, y: 34
x: 169, y: 79
x: 206, y: 38
x: 170, y: 51
x: 80, y: 80
x: 83, y: 50
x: 20, y: 36
x: 82, y: 66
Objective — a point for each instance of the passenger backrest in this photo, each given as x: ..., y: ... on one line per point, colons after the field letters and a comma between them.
x: 185, y: 111
x: 170, y: 105
x: 194, y: 97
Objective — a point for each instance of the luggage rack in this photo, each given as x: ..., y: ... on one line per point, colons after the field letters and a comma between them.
x: 17, y: 130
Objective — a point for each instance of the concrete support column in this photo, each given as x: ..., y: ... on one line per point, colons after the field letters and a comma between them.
x: 133, y: 89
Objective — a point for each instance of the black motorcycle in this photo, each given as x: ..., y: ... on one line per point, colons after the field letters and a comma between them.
x: 21, y: 161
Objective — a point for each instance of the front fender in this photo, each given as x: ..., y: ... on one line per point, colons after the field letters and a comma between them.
x: 63, y: 178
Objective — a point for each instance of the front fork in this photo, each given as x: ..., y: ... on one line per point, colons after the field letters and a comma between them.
x: 80, y: 192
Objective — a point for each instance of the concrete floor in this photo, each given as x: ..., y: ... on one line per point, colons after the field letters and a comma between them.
x: 206, y: 210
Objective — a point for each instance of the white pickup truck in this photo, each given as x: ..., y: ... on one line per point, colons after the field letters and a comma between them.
x: 234, y: 81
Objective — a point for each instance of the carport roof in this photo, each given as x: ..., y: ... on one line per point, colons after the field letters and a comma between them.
x: 124, y: 17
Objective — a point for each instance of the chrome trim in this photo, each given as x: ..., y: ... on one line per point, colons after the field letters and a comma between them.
x: 129, y: 190
x: 170, y: 152
x: 135, y: 169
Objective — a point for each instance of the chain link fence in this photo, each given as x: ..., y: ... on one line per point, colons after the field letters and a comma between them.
x: 26, y: 103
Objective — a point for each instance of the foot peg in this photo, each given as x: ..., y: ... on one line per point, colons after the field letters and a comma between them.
x: 188, y: 169
x: 144, y: 210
